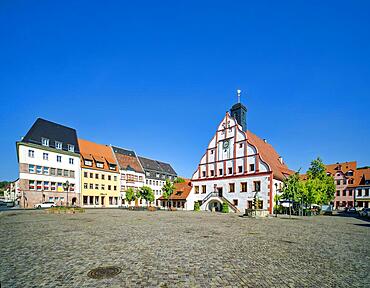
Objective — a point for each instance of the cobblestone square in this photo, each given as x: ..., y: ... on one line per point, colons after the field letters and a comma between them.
x: 182, y: 249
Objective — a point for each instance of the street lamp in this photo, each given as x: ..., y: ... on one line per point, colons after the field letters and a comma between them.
x: 66, y: 187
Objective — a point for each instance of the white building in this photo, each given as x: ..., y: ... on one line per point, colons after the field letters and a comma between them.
x: 49, y: 165
x: 236, y: 166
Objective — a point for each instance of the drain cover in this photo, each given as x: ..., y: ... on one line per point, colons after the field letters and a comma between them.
x: 104, y: 272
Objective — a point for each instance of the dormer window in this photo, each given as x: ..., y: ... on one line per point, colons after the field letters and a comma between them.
x: 350, y: 173
x: 112, y: 167
x: 99, y: 165
x: 71, y: 148
x: 45, y: 142
x: 88, y: 162
x: 58, y: 145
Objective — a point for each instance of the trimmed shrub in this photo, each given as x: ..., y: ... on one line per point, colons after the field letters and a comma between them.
x: 196, y: 206
x: 225, y: 208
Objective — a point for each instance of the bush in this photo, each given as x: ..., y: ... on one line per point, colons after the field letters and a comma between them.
x: 196, y: 206
x: 225, y: 208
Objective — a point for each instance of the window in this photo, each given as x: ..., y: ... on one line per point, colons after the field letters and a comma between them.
x: 96, y: 186
x: 102, y: 176
x: 102, y: 187
x: 71, y: 161
x: 251, y: 167
x: 344, y: 181
x: 350, y: 192
x: 115, y: 188
x: 31, y: 153
x: 52, y: 171
x: 350, y: 173
x: 91, y: 175
x: 58, y: 145
x: 65, y: 173
x: 231, y: 187
x: 99, y: 165
x: 338, y: 182
x: 31, y: 168
x: 59, y: 158
x: 344, y: 192
x: 45, y: 156
x: 212, y: 172
x: 91, y: 186
x: 366, y: 192
x: 243, y: 187
x: 72, y: 174
x: 257, y: 186
x: 220, y: 172
x: 85, y: 174
x: 235, y: 202
x: 88, y: 162
x: 109, y: 187
x: 196, y: 189
x: 46, y: 170
x: 71, y: 148
x: 31, y: 185
x: 53, y: 186
x: 85, y: 185
x: 38, y: 185
x: 96, y: 176
x: 112, y: 167
x: 240, y: 145
x: 338, y: 193
x: 46, y: 185
x: 240, y: 169
x: 44, y: 142
x: 38, y: 169
x: 109, y: 177
x: 204, y: 188
x: 204, y: 173
x: 59, y: 172
x: 230, y: 170
x: 115, y: 178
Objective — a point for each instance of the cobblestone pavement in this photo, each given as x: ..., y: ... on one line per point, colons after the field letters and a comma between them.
x: 182, y: 249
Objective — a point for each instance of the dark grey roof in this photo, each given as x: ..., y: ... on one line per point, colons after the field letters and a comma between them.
x: 54, y: 132
x: 123, y: 151
x: 157, y: 166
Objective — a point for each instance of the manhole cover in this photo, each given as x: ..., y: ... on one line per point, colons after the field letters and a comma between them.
x: 104, y: 272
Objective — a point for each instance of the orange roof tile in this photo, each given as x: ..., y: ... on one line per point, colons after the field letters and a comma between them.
x: 344, y: 167
x: 99, y: 152
x: 269, y: 155
x: 181, y: 191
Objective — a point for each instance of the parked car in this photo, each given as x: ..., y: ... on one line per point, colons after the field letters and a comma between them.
x: 365, y: 212
x: 44, y: 205
x: 351, y: 210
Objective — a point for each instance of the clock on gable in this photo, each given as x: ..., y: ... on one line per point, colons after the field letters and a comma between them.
x: 226, y: 144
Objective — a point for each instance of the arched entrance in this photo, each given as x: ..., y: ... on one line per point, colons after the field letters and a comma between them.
x: 214, y: 206
x: 74, y: 200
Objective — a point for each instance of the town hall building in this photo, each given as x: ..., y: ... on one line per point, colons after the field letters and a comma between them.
x: 237, y: 167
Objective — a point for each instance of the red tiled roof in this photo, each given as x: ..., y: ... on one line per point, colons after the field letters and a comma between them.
x: 181, y: 191
x: 344, y: 167
x: 270, y: 156
x: 126, y: 161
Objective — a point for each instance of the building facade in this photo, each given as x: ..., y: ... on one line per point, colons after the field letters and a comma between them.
x: 49, y: 165
x: 156, y: 173
x: 179, y: 197
x: 100, y: 178
x: 131, y: 174
x: 237, y: 167
x: 362, y: 196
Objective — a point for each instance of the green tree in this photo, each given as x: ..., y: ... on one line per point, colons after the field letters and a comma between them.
x: 146, y: 193
x: 130, y: 195
x: 179, y: 180
x: 168, y: 189
x: 292, y: 189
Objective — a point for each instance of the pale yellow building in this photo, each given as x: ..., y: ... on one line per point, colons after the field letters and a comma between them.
x: 100, y: 181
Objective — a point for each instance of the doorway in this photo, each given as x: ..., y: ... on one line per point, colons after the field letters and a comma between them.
x: 102, y: 200
x: 219, y: 191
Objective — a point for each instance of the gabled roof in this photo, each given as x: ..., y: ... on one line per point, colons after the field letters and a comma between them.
x: 181, y: 192
x: 127, y: 159
x: 270, y: 156
x: 54, y: 132
x: 97, y: 152
x: 363, y: 175
x: 341, y: 167
x: 158, y: 166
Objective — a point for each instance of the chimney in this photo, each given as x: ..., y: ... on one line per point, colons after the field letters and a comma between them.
x: 264, y: 140
x: 281, y: 159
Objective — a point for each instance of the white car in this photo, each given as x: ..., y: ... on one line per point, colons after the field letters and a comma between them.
x: 44, y: 205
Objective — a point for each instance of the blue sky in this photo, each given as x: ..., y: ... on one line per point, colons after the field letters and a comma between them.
x: 158, y: 76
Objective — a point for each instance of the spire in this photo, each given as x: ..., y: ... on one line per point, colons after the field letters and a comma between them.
x: 239, y: 112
